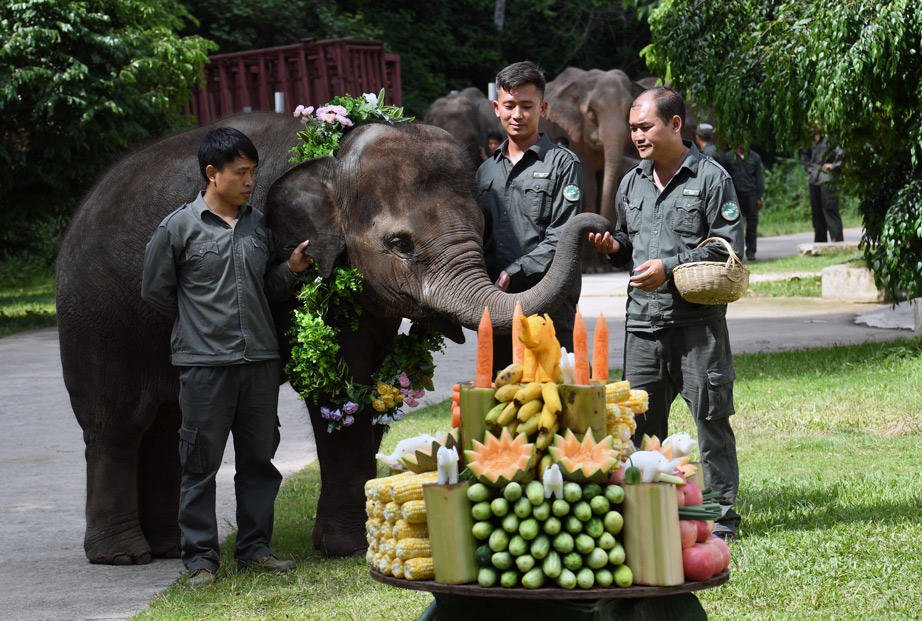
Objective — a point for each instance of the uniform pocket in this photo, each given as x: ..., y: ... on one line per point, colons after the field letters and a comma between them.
x: 191, y: 450
x: 688, y: 218
x: 720, y: 393
x: 204, y: 259
x: 632, y: 215
x: 538, y: 198
x: 257, y: 254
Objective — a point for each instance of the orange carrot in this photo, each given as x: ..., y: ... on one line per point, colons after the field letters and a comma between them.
x: 518, y: 347
x: 484, y: 375
x: 600, y: 350
x: 580, y: 351
x: 456, y: 417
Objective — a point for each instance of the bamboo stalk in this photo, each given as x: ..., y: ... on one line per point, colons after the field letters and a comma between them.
x: 652, y: 546
x: 448, y: 514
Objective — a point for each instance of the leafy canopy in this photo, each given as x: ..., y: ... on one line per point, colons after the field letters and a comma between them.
x: 766, y: 68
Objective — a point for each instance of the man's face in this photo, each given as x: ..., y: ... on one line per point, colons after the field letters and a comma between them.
x: 519, y: 111
x: 493, y: 144
x: 234, y: 182
x: 652, y: 137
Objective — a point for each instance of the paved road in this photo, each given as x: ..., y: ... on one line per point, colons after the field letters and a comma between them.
x: 43, y: 573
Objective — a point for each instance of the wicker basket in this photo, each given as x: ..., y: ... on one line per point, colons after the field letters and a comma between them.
x: 712, y: 282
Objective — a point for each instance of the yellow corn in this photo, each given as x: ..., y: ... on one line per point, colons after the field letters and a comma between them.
x: 411, y: 488
x: 397, y: 568
x: 617, y: 391
x: 388, y: 546
x: 370, y: 557
x: 420, y: 568
x: 391, y: 512
x: 384, y: 564
x: 369, y: 507
x: 414, y: 511
x: 406, y: 530
x: 413, y: 548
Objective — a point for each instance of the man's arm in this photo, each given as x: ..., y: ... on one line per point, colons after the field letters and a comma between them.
x: 280, y: 279
x: 524, y: 269
x: 760, y: 178
x: 158, y: 280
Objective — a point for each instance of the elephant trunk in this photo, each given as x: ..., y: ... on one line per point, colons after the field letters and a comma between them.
x: 611, y: 176
x: 466, y: 290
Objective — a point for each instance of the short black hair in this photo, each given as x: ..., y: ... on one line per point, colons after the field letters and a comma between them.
x: 668, y: 103
x: 493, y: 135
x: 222, y: 146
x: 562, y: 141
x: 520, y: 74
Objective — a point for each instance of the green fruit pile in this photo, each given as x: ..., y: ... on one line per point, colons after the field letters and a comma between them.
x: 528, y: 540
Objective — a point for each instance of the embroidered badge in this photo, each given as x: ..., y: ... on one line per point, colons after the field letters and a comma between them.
x: 541, y: 175
x: 571, y: 193
x: 691, y: 192
x: 730, y: 211
x: 261, y: 234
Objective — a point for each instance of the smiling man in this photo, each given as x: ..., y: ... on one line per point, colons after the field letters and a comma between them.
x: 667, y: 206
x: 528, y: 188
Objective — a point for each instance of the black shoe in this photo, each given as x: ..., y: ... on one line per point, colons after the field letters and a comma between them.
x: 750, y: 257
x: 200, y: 578
x: 727, y: 535
x: 266, y: 563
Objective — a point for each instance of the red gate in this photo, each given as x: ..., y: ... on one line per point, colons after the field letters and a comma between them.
x: 309, y: 73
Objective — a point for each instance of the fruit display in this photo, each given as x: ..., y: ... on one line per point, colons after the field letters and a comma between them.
x: 585, y: 461
x: 498, y: 461
x: 528, y: 537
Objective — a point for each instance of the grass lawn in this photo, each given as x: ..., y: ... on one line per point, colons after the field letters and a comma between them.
x: 27, y: 306
x: 829, y: 494
x: 798, y: 263
x: 806, y: 286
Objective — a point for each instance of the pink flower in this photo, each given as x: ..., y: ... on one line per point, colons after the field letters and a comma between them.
x: 351, y: 407
x: 404, y: 380
x: 405, y: 392
x: 348, y: 421
x: 343, y: 120
x: 411, y: 402
x: 418, y: 394
x: 303, y: 111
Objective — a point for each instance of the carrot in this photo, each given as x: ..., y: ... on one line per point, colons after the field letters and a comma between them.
x: 484, y: 374
x: 455, y: 417
x: 580, y: 351
x: 600, y: 350
x: 518, y: 347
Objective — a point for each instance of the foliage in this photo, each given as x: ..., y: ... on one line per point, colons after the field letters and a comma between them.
x: 319, y: 373
x: 795, y: 286
x: 28, y: 304
x: 80, y: 82
x: 768, y: 67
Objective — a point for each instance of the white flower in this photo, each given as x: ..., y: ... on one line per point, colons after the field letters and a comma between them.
x: 371, y: 98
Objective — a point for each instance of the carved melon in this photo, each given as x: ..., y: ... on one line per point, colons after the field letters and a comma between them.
x: 498, y: 461
x: 426, y: 461
x: 584, y: 462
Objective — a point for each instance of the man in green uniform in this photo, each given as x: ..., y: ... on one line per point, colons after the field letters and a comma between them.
x: 207, y: 265
x: 823, y: 163
x: 528, y: 189
x: 745, y: 168
x: 704, y: 139
x: 667, y: 205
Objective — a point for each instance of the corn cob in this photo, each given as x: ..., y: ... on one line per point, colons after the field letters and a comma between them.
x: 378, y: 511
x: 389, y: 546
x: 370, y: 557
x: 384, y: 564
x: 617, y: 391
x: 638, y: 402
x: 369, y: 507
x: 414, y: 511
x: 406, y: 530
x: 412, y: 548
x: 397, y: 568
x: 421, y: 568
x: 391, y: 512
x: 411, y: 488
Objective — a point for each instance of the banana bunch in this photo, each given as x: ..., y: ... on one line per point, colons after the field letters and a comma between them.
x: 621, y: 404
x: 531, y: 408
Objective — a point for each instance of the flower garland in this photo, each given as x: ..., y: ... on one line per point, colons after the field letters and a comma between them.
x: 316, y: 368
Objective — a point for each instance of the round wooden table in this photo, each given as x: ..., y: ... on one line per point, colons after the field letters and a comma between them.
x: 472, y: 602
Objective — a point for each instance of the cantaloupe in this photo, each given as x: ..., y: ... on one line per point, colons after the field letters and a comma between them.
x: 585, y: 461
x: 498, y: 461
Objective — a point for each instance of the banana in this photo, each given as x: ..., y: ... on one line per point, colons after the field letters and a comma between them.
x: 547, y: 420
x: 543, y: 441
x: 510, y: 375
x: 507, y: 415
x: 492, y: 415
x: 544, y: 464
x: 551, y: 397
x: 506, y: 393
x: 529, y: 409
x: 528, y: 427
x: 527, y: 392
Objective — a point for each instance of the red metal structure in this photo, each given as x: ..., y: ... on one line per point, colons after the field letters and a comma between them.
x: 309, y: 73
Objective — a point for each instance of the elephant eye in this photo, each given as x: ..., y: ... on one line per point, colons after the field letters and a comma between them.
x: 401, y: 244
x: 590, y: 113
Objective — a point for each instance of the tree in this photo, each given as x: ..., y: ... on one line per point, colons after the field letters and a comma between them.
x: 768, y: 67
x: 80, y: 82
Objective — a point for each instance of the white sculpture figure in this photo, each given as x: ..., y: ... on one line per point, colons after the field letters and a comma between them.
x: 682, y: 444
x: 408, y: 447
x: 447, y: 463
x: 650, y: 464
x: 567, y: 366
x: 553, y: 482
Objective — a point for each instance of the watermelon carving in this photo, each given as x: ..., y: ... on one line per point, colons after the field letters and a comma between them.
x: 425, y: 460
x: 584, y: 462
x: 498, y: 461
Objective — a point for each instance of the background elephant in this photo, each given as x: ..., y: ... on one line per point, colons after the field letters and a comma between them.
x: 459, y: 117
x: 591, y: 108
x: 488, y: 119
x: 396, y: 203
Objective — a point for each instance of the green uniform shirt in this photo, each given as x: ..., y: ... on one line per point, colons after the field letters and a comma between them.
x: 214, y: 279
x: 525, y: 206
x: 697, y: 203
x: 746, y: 172
x: 711, y: 151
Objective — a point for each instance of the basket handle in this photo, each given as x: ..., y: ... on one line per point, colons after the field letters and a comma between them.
x: 731, y: 259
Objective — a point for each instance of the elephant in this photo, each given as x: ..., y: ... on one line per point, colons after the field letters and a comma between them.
x: 591, y: 108
x: 488, y: 119
x: 396, y: 203
x: 459, y: 117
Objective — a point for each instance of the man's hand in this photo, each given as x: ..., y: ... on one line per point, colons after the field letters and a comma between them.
x: 649, y: 275
x: 758, y: 204
x: 605, y: 244
x: 300, y: 260
x: 827, y: 166
x: 503, y: 281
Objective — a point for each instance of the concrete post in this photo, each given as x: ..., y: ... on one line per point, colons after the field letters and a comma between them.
x: 917, y: 315
x: 280, y: 102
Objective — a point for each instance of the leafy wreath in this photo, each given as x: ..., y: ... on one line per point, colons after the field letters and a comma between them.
x: 317, y: 368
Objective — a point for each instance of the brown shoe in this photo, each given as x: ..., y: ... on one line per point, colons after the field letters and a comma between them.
x: 201, y: 578
x: 266, y: 563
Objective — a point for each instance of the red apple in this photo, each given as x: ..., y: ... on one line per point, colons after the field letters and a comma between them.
x: 698, y: 562
x: 693, y: 494
x: 688, y: 533
x: 617, y: 477
x: 705, y: 528
x: 724, y: 549
x: 680, y: 495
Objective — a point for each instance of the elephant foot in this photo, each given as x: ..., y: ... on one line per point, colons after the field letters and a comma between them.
x: 117, y: 544
x: 164, y: 546
x: 336, y: 540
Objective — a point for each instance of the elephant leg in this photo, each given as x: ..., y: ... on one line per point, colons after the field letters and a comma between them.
x: 158, y: 482
x: 346, y: 461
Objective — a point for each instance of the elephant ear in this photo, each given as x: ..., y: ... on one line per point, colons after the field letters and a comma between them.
x: 300, y: 205
x: 563, y: 95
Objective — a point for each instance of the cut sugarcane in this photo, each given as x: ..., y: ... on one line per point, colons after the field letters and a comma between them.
x: 698, y: 477
x: 652, y: 546
x: 583, y: 408
x: 475, y: 403
x: 448, y: 514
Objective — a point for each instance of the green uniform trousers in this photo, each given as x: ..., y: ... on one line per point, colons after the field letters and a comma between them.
x: 215, y: 401
x: 695, y: 362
